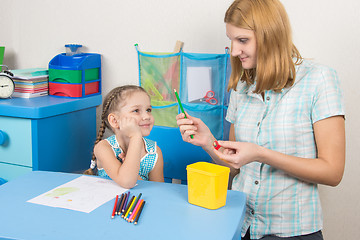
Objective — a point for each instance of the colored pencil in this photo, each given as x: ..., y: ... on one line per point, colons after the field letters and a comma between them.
x: 135, y: 203
x: 125, y: 202
x: 139, y: 212
x: 113, y: 213
x: 136, y: 210
x: 128, y: 211
x: 133, y: 211
x: 181, y: 107
x: 127, y: 207
x: 122, y: 203
x: 118, y: 204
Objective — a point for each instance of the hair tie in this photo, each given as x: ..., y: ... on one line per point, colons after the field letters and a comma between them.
x: 92, y: 164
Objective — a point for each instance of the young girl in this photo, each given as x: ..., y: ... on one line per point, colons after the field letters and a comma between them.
x: 127, y: 156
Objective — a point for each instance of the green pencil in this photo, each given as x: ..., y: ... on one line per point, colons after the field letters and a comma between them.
x: 181, y: 107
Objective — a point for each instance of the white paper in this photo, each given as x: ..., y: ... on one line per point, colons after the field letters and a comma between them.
x: 82, y: 194
x: 198, y: 81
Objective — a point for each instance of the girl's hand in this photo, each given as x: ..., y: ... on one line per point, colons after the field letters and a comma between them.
x: 122, y: 156
x: 129, y: 127
x: 237, y: 154
x: 194, y: 126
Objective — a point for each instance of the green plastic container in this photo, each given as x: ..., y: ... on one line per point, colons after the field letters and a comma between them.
x: 72, y: 76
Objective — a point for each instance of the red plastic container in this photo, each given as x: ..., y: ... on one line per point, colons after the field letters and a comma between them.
x: 72, y: 90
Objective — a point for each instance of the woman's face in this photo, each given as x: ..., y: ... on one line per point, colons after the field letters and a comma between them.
x: 243, y: 45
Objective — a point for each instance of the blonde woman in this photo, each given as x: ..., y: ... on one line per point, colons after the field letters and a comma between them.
x: 287, y: 130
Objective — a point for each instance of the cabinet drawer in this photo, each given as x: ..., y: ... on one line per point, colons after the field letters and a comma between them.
x: 10, y: 171
x: 17, y: 149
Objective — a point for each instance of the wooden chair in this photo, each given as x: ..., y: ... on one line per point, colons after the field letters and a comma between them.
x: 177, y: 154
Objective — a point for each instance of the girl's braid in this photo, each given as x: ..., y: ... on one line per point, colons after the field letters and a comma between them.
x: 104, y: 123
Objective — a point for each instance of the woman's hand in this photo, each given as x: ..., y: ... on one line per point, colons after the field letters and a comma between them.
x: 192, y: 126
x: 327, y: 168
x: 237, y: 154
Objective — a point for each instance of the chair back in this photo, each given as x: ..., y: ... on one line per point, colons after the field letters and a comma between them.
x: 177, y: 154
x: 2, y: 181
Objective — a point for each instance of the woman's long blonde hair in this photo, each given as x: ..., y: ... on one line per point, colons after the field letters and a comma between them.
x: 275, y: 68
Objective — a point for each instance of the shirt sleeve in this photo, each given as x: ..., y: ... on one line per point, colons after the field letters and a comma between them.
x: 328, y: 100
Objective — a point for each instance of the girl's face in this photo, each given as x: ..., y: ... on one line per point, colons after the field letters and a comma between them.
x: 137, y: 106
x: 243, y: 45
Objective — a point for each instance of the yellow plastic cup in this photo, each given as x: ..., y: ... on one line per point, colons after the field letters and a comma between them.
x: 207, y: 184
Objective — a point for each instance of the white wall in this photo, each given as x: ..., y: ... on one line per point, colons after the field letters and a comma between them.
x: 34, y: 31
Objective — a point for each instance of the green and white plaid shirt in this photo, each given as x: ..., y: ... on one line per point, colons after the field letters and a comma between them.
x: 278, y: 203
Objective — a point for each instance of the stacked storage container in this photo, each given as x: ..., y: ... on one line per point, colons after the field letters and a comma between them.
x: 78, y: 75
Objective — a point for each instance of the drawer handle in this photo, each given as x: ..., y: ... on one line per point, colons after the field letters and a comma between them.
x: 3, y: 137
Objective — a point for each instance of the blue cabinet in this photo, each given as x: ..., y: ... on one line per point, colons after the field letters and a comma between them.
x: 46, y: 133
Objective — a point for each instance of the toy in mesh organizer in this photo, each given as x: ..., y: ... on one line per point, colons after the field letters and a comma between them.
x: 208, y: 98
x: 159, y: 73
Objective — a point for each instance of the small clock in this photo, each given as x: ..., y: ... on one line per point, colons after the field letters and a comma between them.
x: 7, y: 85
